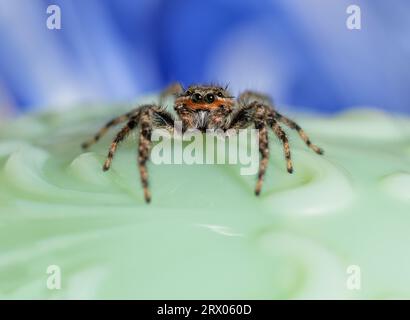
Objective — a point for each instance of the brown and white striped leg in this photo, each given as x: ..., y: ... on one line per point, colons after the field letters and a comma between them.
x: 285, y: 142
x: 264, y: 152
x: 108, y: 125
x: 293, y: 125
x: 143, y: 152
x: 118, y: 138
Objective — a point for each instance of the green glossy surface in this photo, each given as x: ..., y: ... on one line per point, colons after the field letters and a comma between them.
x: 205, y: 235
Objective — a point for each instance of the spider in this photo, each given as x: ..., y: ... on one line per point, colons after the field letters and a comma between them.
x: 204, y: 107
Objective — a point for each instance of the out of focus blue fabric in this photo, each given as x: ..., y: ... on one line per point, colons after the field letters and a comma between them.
x: 299, y: 51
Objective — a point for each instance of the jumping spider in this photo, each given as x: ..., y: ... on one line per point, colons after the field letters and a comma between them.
x: 204, y: 107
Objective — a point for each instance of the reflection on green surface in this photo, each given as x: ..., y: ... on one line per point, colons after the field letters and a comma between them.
x: 205, y: 235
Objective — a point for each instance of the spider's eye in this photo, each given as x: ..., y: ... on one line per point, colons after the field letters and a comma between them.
x: 188, y: 93
x: 196, y: 97
x: 219, y: 94
x: 209, y: 98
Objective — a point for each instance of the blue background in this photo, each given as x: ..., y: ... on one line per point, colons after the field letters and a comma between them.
x: 299, y: 51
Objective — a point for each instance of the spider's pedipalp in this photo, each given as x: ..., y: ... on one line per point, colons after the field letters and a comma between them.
x: 293, y: 125
x: 162, y: 119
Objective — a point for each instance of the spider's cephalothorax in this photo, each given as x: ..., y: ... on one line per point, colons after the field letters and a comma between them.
x: 204, y: 107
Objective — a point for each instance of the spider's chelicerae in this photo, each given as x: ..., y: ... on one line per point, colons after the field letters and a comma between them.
x: 204, y: 107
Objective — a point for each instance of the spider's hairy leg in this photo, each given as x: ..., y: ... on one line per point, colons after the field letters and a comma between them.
x: 293, y: 125
x: 254, y: 113
x: 249, y: 96
x: 264, y: 152
x: 172, y: 90
x: 143, y: 152
x: 107, y: 126
x: 152, y: 117
x: 262, y: 116
x: 121, y: 135
x: 284, y: 139
x: 147, y: 117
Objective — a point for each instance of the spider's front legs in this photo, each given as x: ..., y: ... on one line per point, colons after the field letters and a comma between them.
x: 262, y: 119
x: 264, y: 151
x: 118, y: 138
x: 108, y: 125
x: 148, y: 116
x: 143, y: 152
x: 261, y: 116
x: 145, y: 123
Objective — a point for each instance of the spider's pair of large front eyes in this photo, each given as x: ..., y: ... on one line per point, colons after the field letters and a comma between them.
x: 209, y: 98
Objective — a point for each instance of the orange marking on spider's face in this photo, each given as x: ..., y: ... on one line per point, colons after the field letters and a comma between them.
x: 202, y: 105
